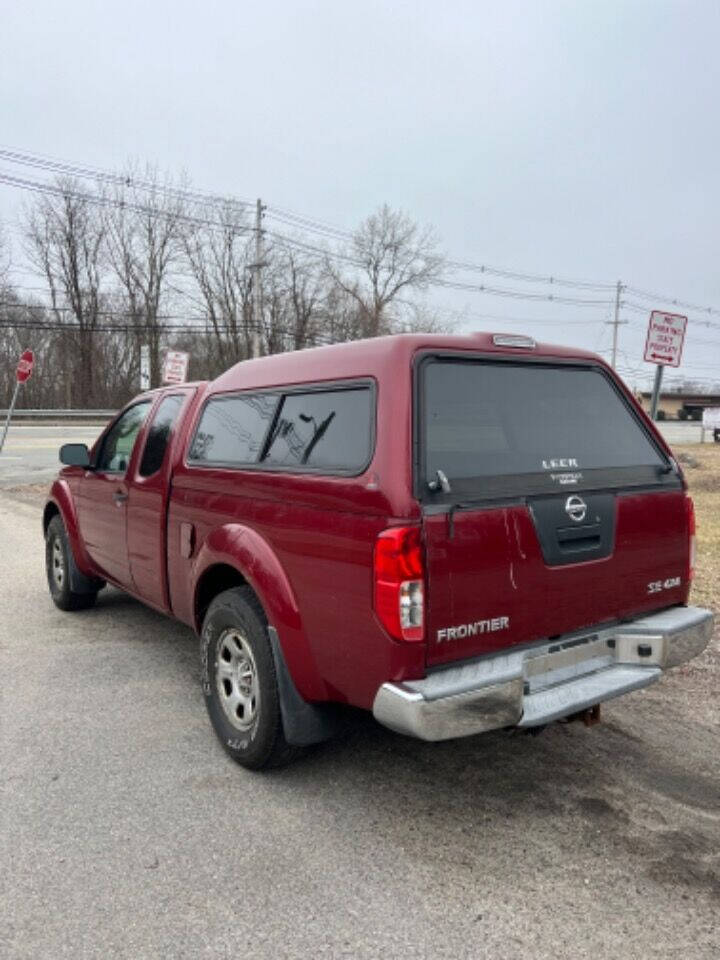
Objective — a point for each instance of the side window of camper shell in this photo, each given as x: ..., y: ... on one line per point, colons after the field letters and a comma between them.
x: 315, y: 430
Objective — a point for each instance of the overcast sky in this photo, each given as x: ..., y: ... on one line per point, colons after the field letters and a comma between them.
x: 575, y: 139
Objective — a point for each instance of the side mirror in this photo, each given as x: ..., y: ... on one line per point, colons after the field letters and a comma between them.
x: 75, y: 455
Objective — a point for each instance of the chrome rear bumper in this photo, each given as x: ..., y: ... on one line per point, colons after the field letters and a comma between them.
x: 545, y: 682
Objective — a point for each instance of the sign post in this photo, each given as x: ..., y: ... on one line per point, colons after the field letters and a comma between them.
x: 144, y: 367
x: 22, y: 373
x: 175, y: 366
x: 663, y: 346
x: 655, y: 399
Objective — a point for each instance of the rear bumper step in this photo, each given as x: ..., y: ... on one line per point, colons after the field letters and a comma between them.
x: 577, y: 695
x: 550, y: 680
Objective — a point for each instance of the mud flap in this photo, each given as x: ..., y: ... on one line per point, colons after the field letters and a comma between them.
x: 79, y: 583
x: 303, y: 723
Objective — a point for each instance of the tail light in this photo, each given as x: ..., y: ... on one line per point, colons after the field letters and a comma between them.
x: 399, y: 586
x: 690, y: 506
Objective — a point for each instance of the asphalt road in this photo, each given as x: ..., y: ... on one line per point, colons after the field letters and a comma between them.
x: 30, y: 453
x: 126, y: 832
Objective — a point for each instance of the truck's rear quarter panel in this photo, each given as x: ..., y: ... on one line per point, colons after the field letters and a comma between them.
x: 326, y: 552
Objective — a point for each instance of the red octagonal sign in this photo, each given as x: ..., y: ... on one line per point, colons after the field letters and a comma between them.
x: 25, y: 365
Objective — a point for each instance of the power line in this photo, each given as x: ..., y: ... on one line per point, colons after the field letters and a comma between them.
x: 529, y: 277
x: 661, y: 298
x: 55, y: 190
x: 43, y: 187
x: 98, y: 313
x: 309, y: 224
x: 520, y: 294
x: 640, y: 308
x: 462, y: 315
x: 205, y: 330
x: 83, y: 171
x: 175, y: 316
x: 312, y: 225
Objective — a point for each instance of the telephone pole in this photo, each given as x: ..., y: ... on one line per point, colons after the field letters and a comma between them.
x: 616, y: 323
x: 257, y: 279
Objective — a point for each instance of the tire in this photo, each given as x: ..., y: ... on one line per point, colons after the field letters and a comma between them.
x: 240, y: 683
x: 59, y: 562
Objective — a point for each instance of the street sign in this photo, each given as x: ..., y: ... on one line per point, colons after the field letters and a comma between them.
x: 665, y: 338
x: 22, y: 374
x: 175, y: 366
x: 24, y: 367
x: 663, y: 347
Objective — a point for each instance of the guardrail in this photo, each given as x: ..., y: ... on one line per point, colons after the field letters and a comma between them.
x: 60, y: 414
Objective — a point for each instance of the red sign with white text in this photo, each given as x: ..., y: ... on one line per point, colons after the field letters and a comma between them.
x: 665, y: 338
x: 175, y: 366
x: 25, y: 365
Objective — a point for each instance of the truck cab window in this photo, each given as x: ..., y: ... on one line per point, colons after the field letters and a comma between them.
x: 159, y: 434
x: 120, y: 439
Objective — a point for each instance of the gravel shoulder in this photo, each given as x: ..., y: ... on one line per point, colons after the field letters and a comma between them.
x: 125, y: 831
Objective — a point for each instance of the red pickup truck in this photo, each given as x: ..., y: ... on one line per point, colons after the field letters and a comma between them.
x: 457, y: 533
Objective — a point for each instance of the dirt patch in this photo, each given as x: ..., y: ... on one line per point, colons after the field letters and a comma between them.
x: 33, y: 493
x: 704, y: 484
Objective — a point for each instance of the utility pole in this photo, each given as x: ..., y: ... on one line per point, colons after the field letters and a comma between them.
x: 144, y: 366
x: 257, y: 279
x: 616, y: 323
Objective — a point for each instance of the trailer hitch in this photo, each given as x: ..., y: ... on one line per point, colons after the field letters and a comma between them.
x: 590, y: 716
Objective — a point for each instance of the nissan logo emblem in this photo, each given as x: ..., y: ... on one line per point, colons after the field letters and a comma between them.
x: 576, y: 508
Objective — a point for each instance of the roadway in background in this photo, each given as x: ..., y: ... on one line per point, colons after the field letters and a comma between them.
x: 30, y: 454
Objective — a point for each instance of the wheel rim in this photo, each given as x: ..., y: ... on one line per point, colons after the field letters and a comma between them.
x: 57, y: 562
x: 237, y: 679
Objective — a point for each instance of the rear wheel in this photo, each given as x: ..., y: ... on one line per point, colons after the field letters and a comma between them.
x: 240, y: 683
x: 58, y: 563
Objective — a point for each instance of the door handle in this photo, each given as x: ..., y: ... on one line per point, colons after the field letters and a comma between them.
x: 119, y: 497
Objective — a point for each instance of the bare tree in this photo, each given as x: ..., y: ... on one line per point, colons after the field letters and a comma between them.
x: 65, y: 236
x: 306, y: 292
x: 219, y: 255
x: 144, y: 220
x: 394, y: 257
x: 5, y: 258
x: 116, y: 260
x: 274, y: 320
x: 421, y: 318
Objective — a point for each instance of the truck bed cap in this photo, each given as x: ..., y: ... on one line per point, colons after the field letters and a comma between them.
x: 360, y: 358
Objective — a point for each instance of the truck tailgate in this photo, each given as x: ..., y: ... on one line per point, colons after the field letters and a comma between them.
x: 499, y: 576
